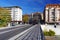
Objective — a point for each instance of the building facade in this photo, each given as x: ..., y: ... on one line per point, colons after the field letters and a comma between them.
x: 52, y: 13
x: 36, y: 18
x: 16, y: 14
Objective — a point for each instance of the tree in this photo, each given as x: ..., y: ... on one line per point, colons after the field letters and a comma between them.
x: 25, y: 18
x: 5, y: 17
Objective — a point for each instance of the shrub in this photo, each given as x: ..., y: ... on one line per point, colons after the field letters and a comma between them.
x: 46, y: 33
x: 49, y: 33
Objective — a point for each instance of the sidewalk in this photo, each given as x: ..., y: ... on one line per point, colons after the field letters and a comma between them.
x: 52, y: 37
x: 13, y: 26
x: 56, y: 30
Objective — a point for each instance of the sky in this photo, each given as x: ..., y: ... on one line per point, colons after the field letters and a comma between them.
x: 29, y: 6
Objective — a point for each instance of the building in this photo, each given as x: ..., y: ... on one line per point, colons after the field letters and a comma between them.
x: 36, y: 17
x: 16, y: 14
x: 52, y: 13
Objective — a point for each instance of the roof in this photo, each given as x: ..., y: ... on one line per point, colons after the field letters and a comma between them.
x: 53, y: 5
x: 13, y: 7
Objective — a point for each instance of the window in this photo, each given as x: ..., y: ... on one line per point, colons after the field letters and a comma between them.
x: 53, y: 13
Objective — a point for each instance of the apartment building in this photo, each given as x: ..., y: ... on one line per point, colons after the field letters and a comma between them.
x: 16, y: 14
x: 52, y: 13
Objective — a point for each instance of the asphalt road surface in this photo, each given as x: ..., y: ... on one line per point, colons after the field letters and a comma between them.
x: 33, y: 34
x: 5, y: 34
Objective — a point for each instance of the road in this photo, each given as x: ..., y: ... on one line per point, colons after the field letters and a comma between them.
x: 34, y: 33
x: 5, y: 34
